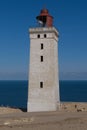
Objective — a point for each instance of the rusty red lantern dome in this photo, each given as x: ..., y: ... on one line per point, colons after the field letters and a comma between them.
x: 44, y: 11
x: 45, y: 19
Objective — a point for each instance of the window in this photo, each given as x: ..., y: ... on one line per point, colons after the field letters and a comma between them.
x: 38, y: 35
x: 45, y: 35
x: 41, y: 46
x: 41, y: 84
x: 41, y: 58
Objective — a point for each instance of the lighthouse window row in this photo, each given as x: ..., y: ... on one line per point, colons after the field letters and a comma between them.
x: 41, y: 59
x: 38, y: 36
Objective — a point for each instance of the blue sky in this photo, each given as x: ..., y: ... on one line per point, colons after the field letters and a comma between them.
x: 17, y: 16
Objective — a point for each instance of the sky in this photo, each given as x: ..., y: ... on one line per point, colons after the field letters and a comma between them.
x: 70, y: 18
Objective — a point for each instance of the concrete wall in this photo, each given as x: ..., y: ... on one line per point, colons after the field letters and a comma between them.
x: 46, y: 98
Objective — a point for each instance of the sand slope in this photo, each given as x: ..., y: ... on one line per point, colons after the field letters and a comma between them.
x: 59, y: 120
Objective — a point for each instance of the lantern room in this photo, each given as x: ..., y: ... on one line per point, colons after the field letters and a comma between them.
x: 45, y: 19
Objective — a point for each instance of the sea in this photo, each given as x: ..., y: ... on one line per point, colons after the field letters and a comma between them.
x: 15, y: 93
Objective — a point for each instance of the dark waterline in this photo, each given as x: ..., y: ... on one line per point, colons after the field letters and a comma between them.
x: 73, y: 91
x: 15, y: 93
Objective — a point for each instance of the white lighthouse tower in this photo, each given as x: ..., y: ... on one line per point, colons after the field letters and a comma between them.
x: 43, y: 88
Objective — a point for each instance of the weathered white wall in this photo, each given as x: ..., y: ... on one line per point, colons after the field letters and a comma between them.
x: 46, y: 98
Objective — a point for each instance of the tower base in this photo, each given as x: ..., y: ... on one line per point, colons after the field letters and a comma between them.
x: 33, y: 107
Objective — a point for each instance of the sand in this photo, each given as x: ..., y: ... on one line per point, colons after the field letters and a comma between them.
x: 71, y: 116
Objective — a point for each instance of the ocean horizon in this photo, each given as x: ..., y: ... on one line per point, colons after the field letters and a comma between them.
x: 14, y: 93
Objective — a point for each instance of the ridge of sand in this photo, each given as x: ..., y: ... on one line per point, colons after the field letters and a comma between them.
x: 8, y: 110
x: 71, y: 116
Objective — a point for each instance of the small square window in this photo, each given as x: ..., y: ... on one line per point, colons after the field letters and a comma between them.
x: 41, y: 58
x: 38, y: 35
x: 45, y: 35
x: 41, y: 46
x: 41, y: 84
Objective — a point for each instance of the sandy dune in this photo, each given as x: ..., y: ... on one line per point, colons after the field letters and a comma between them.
x: 68, y: 118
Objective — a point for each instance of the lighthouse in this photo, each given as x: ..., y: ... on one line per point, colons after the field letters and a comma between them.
x: 43, y: 85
